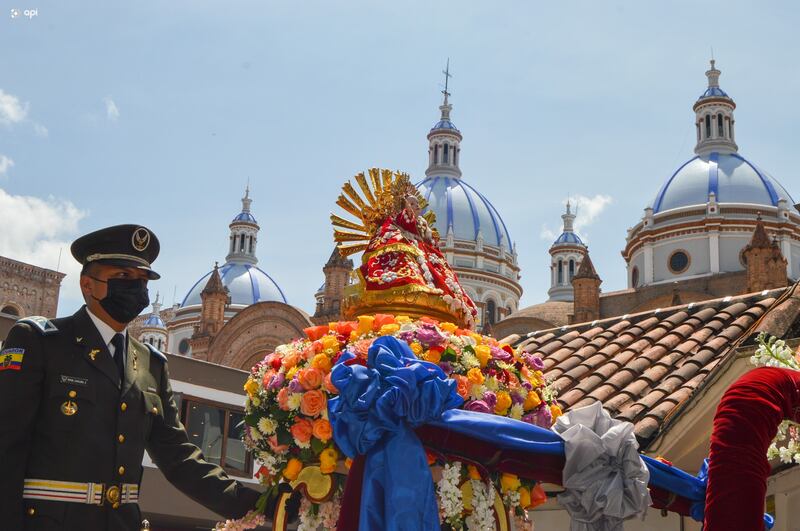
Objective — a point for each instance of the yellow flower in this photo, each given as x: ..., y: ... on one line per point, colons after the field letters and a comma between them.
x: 416, y: 348
x: 434, y: 356
x: 389, y: 329
x: 472, y: 470
x: 503, y: 403
x: 348, y: 463
x: 524, y: 497
x: 251, y: 386
x: 531, y: 401
x: 475, y: 376
x: 509, y: 482
x: 448, y: 327
x: 291, y: 372
x: 321, y: 362
x: 555, y: 411
x: 293, y: 468
x: 329, y: 342
x: 365, y: 324
x: 483, y: 353
x: 327, y: 460
x: 332, y: 326
x: 402, y: 319
x: 477, y: 337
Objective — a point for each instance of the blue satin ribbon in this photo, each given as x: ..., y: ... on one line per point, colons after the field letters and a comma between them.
x: 375, y: 414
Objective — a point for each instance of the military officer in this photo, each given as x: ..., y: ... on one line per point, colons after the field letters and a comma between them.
x: 80, y: 401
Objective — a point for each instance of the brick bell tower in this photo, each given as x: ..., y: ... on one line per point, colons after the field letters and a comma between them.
x: 766, y: 265
x: 329, y: 299
x: 586, y: 285
x: 212, y: 315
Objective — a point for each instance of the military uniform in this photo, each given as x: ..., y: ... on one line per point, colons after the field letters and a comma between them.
x: 73, y: 432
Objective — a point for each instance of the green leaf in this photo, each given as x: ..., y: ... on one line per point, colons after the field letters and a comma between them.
x: 284, y: 437
x: 317, y: 446
x: 449, y: 354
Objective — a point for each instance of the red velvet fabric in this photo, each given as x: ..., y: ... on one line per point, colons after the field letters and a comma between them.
x: 746, y: 421
x: 351, y: 498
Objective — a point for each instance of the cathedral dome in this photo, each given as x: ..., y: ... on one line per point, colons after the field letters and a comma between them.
x: 569, y: 238
x: 154, y: 321
x: 459, y: 206
x: 731, y: 177
x: 246, y: 283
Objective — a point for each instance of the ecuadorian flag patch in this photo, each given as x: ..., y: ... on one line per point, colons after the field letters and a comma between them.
x: 11, y: 359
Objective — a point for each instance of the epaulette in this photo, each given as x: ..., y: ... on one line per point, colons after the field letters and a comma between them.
x: 157, y: 353
x: 42, y: 324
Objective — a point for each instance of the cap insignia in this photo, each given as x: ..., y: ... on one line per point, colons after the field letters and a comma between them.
x: 140, y: 239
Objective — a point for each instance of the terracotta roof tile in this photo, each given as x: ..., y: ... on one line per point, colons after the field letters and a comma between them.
x: 645, y: 367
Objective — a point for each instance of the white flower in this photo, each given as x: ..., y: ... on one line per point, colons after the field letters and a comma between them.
x: 266, y: 426
x: 294, y: 401
x: 469, y: 361
x: 492, y: 384
x: 451, y: 504
x: 482, y: 517
x: 516, y: 411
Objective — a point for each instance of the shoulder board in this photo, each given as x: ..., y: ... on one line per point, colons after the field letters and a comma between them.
x: 155, y: 352
x: 43, y: 325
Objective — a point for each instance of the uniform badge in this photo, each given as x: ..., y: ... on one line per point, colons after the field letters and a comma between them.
x: 93, y: 353
x: 140, y: 239
x: 11, y: 359
x: 69, y: 408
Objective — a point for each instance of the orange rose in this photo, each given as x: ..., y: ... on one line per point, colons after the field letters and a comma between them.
x: 531, y: 401
x: 365, y: 323
x: 462, y: 385
x: 310, y: 378
x: 315, y: 332
x: 538, y: 496
x: 275, y: 447
x: 555, y: 412
x: 475, y: 376
x: 301, y: 430
x: 322, y: 430
x: 291, y: 359
x: 433, y: 355
x: 293, y: 468
x: 321, y: 362
x: 473, y: 472
x: 329, y: 385
x: 283, y: 398
x: 312, y: 403
x: 382, y: 319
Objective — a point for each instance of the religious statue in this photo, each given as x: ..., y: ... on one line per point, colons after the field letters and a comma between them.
x: 402, y: 267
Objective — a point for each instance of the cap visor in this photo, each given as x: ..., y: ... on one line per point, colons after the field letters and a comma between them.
x: 152, y: 275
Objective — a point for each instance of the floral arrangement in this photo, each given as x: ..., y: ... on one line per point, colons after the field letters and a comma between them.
x: 774, y: 352
x: 287, y: 426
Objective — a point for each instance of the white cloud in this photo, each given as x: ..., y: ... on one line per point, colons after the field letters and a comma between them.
x: 11, y: 110
x: 5, y: 164
x: 112, y: 112
x: 40, y: 130
x: 586, y: 210
x: 36, y: 231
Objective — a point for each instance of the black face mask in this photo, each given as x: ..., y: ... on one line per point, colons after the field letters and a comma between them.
x: 125, y: 298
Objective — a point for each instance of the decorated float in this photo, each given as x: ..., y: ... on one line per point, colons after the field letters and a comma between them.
x: 403, y: 417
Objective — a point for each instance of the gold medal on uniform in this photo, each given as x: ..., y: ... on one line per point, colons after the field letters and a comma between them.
x: 93, y: 353
x: 69, y: 408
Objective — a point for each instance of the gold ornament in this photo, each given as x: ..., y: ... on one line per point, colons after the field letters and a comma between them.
x: 69, y: 408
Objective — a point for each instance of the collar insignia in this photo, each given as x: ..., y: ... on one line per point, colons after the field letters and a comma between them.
x: 93, y: 353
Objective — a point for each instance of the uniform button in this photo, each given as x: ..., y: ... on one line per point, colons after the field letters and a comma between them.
x: 121, y: 470
x: 31, y: 511
x: 72, y: 394
x: 121, y: 438
x: 123, y: 406
x: 155, y: 410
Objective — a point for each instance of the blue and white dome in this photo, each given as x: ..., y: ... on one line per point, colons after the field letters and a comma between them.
x: 154, y: 321
x: 460, y: 206
x: 568, y: 238
x: 444, y: 124
x: 246, y: 283
x: 731, y: 177
x: 246, y: 217
x: 713, y: 92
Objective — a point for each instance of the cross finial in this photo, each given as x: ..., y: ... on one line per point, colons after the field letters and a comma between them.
x: 447, y: 76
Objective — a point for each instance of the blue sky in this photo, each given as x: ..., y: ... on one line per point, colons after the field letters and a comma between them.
x: 159, y: 112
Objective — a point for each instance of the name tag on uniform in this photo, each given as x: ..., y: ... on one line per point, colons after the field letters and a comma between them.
x: 74, y: 380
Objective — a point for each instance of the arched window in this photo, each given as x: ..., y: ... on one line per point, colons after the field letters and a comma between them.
x: 571, y: 269
x: 446, y: 157
x: 233, y: 243
x: 241, y: 244
x: 490, y: 316
x: 698, y: 131
x: 720, y: 132
x: 455, y: 155
x: 560, y: 272
x: 251, y: 245
x: 708, y: 126
x: 10, y: 310
x: 436, y: 154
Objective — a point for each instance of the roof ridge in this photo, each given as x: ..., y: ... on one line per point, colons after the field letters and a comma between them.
x: 636, y: 317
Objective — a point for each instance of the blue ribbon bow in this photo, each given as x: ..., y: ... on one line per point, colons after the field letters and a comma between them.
x: 375, y: 414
